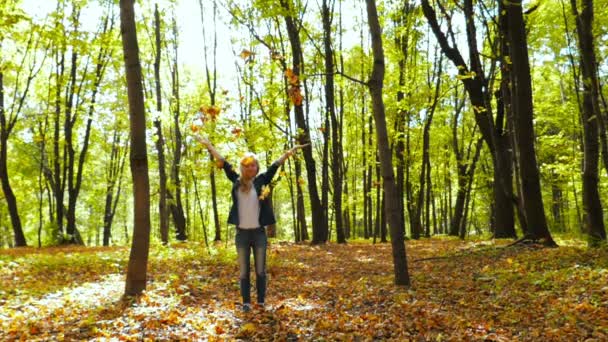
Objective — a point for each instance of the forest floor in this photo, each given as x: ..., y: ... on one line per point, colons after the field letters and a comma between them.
x: 461, y: 290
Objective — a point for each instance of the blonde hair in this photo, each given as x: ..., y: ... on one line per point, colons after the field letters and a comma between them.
x: 246, y: 160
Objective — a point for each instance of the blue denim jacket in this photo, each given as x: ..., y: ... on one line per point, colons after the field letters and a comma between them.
x: 266, y: 214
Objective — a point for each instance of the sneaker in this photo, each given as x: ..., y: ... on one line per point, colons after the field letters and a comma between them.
x: 261, y: 306
x: 246, y: 307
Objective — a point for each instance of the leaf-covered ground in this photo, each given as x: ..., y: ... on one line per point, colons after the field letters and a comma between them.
x: 461, y: 291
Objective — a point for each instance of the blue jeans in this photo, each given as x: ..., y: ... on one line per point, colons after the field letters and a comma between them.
x: 245, y: 241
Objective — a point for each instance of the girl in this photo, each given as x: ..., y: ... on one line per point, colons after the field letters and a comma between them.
x: 250, y: 213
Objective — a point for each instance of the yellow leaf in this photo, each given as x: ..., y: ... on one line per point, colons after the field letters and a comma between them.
x: 246, y: 54
x: 248, y: 328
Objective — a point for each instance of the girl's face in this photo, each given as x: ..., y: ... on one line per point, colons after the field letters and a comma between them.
x: 249, y: 168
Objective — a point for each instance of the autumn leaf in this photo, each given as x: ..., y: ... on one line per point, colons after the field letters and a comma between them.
x: 265, y: 192
x: 245, y: 54
x: 292, y: 78
x: 237, y: 132
x: 295, y: 95
x: 210, y: 112
x: 276, y: 56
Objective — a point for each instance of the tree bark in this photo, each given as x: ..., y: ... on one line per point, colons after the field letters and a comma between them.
x: 476, y: 86
x: 138, y: 258
x: 160, y: 142
x: 336, y: 165
x: 375, y: 85
x: 523, y: 109
x: 319, y: 219
x: 592, y: 205
x: 175, y: 199
x: 9, y: 195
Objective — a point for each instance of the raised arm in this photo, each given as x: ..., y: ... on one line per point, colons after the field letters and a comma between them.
x: 210, y: 148
x: 272, y: 169
x: 289, y: 153
x: 222, y: 163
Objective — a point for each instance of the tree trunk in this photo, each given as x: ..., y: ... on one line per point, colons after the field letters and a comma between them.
x: 9, y: 195
x: 336, y: 165
x: 592, y: 205
x: 476, y: 86
x: 175, y: 203
x: 402, y: 42
x: 114, y: 180
x: 160, y: 143
x: 523, y: 109
x: 375, y: 84
x: 301, y: 209
x: 319, y: 219
x: 138, y: 258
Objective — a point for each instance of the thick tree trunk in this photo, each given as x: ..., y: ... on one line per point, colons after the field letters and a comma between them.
x: 138, y: 258
x: 592, y: 205
x: 523, y: 109
x: 375, y: 84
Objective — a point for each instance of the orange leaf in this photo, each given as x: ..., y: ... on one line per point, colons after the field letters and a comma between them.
x: 211, y: 112
x: 292, y: 78
x: 295, y: 95
x: 246, y: 54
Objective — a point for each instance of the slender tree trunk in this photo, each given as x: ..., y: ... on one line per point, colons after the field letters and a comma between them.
x: 475, y: 84
x: 370, y: 147
x: 375, y: 84
x: 175, y: 200
x: 402, y: 42
x: 301, y: 210
x: 9, y: 195
x: 319, y: 219
x: 336, y: 165
x: 592, y: 205
x: 114, y: 180
x: 138, y: 258
x: 160, y: 143
x: 377, y: 186
x: 212, y: 86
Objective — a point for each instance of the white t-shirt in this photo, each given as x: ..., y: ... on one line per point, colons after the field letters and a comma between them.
x: 249, y: 209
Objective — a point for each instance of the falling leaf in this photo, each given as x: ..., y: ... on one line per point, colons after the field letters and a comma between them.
x: 265, y: 192
x: 245, y: 54
x: 295, y: 95
x: 210, y: 112
x: 237, y: 131
x: 292, y: 78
